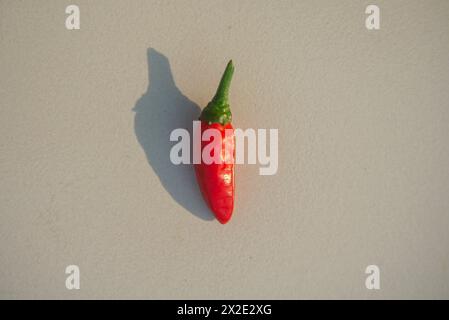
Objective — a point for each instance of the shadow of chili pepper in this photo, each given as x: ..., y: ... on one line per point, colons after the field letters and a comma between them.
x: 160, y: 110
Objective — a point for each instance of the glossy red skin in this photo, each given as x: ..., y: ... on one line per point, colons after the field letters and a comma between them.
x: 216, y: 180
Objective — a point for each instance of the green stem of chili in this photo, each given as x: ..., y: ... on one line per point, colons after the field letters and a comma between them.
x: 217, y: 110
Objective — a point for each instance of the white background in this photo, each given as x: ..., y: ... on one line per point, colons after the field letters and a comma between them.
x: 363, y: 119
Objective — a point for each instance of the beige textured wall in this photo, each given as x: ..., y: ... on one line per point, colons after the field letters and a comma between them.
x: 363, y: 119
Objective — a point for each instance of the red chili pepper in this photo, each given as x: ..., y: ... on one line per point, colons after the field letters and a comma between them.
x: 216, y: 180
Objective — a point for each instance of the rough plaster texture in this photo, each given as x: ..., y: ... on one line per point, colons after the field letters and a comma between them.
x: 363, y: 119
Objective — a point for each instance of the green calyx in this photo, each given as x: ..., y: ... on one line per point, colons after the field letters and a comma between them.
x: 217, y: 110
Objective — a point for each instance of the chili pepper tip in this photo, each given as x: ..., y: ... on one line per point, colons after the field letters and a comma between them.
x: 217, y: 110
x: 221, y: 96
